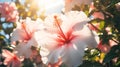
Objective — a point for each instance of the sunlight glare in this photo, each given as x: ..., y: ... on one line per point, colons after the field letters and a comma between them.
x: 51, y: 6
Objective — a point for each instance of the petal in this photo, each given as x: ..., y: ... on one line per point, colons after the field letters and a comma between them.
x: 50, y: 23
x: 46, y: 40
x: 16, y: 63
x: 91, y: 40
x: 7, y: 53
x: 26, y: 33
x: 90, y: 37
x: 23, y: 49
x: 74, y: 20
x: 18, y: 34
x: 9, y: 57
x: 54, y: 55
x: 47, y: 44
x: 72, y: 55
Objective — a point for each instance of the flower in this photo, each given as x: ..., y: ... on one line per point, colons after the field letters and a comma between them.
x: 68, y: 39
x: 9, y: 11
x: 69, y: 4
x: 99, y: 15
x: 11, y: 60
x: 24, y: 34
x: 96, y: 14
x: 106, y: 47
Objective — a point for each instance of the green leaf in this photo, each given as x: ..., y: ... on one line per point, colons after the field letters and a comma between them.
x: 102, y: 23
x: 114, y: 52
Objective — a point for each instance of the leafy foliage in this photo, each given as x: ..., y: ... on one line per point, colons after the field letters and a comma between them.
x: 93, y: 57
x: 91, y: 64
x: 114, y: 53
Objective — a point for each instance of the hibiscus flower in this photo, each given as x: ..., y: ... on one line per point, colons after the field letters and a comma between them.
x: 68, y: 39
x: 24, y: 34
x: 11, y: 60
x: 9, y: 11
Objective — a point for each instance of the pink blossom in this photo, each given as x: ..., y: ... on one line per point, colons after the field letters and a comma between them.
x: 24, y: 34
x: 106, y: 47
x: 9, y: 11
x: 99, y: 15
x: 103, y: 47
x: 69, y: 4
x: 68, y: 39
x: 11, y: 60
x: 96, y: 15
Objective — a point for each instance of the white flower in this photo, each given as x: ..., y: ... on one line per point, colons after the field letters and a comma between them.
x: 68, y: 41
x: 24, y: 34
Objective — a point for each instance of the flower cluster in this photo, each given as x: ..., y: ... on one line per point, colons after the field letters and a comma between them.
x: 59, y: 36
x: 9, y: 11
x: 62, y: 38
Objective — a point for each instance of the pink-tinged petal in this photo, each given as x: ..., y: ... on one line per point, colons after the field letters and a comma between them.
x: 11, y: 59
x: 7, y: 53
x: 16, y: 64
x: 55, y: 55
x: 74, y: 19
x: 24, y: 48
x: 18, y: 34
x: 8, y: 58
x: 99, y: 15
x: 24, y: 31
x: 47, y: 43
x: 45, y: 39
x: 50, y: 24
x: 105, y: 47
x: 72, y: 55
x: 90, y: 37
x: 7, y: 61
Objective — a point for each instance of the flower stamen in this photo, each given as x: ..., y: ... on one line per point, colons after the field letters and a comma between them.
x: 24, y: 27
x: 58, y: 25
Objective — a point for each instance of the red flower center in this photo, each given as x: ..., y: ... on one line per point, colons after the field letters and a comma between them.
x: 15, y: 58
